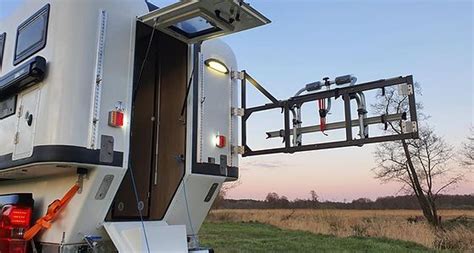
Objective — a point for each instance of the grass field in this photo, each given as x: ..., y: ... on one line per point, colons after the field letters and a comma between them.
x: 257, y: 237
x: 350, y: 224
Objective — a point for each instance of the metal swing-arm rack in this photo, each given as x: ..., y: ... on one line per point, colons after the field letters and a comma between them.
x: 405, y: 84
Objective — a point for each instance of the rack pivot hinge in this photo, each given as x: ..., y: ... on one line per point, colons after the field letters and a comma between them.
x: 238, y: 150
x: 236, y: 111
x: 405, y: 89
x: 239, y: 75
x: 409, y: 127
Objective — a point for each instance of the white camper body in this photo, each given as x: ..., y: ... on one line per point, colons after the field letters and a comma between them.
x: 60, y: 131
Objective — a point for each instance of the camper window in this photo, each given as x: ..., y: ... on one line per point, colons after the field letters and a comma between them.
x: 194, y: 27
x: 2, y: 47
x: 31, y: 35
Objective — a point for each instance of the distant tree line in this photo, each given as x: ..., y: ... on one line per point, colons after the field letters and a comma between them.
x: 274, y: 201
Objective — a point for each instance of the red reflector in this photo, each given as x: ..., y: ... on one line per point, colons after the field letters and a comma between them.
x: 14, y: 220
x: 13, y: 246
x: 220, y: 141
x: 116, y: 119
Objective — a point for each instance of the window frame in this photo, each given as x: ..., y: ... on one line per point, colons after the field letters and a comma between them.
x: 37, y: 46
x: 3, y: 39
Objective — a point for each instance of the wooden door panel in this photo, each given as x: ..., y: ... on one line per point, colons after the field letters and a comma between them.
x: 172, y: 128
x: 142, y: 136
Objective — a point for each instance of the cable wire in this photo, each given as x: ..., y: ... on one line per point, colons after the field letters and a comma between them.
x: 187, y: 209
x: 183, y: 107
x: 132, y: 177
x: 142, y: 67
x: 181, y: 162
x: 134, y: 96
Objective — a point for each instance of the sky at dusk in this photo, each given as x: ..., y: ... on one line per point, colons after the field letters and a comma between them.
x: 309, y: 39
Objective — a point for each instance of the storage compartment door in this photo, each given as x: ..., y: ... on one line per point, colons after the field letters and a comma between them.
x: 26, y: 125
x: 196, y: 20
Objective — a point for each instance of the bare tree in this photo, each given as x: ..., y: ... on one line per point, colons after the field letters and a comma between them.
x: 314, y: 200
x: 276, y: 201
x: 314, y: 196
x: 220, y: 198
x: 272, y: 197
x: 421, y: 165
x: 467, y: 152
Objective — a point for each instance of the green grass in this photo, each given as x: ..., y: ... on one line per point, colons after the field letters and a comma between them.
x: 257, y: 237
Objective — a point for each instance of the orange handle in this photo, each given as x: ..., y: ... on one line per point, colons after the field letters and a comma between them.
x: 53, y: 210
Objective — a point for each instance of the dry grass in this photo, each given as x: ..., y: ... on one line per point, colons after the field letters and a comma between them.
x: 366, y: 223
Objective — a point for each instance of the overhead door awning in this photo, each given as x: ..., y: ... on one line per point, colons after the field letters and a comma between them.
x: 197, y: 20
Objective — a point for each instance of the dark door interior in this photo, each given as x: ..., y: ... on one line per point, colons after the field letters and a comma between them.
x: 157, y: 128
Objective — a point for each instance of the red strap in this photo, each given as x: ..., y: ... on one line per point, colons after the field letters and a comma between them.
x: 322, y: 120
x: 53, y: 210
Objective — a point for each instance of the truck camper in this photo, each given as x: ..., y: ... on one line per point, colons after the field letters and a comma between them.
x: 119, y: 121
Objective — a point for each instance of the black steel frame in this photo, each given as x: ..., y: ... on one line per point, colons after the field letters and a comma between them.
x: 345, y: 93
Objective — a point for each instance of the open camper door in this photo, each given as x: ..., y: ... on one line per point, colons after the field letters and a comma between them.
x: 216, y: 95
x: 196, y: 20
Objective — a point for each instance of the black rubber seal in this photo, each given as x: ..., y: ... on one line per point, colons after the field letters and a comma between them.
x: 214, y: 170
x: 61, y: 153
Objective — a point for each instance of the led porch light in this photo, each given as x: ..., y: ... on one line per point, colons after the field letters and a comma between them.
x: 217, y: 65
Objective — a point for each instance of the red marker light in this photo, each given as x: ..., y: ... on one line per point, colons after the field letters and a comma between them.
x: 20, y: 216
x: 14, y: 221
x: 116, y: 119
x: 220, y: 141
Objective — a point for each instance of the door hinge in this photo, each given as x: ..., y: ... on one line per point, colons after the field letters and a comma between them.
x: 240, y: 75
x: 236, y: 111
x: 240, y: 150
x: 16, y: 139
x: 20, y: 111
